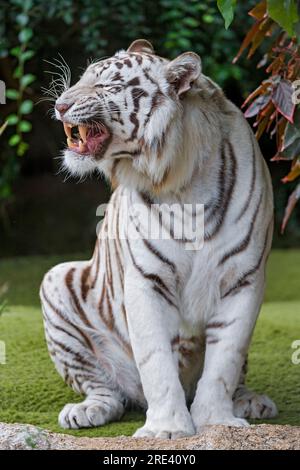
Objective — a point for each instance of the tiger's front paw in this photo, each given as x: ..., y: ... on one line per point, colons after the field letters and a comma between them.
x: 90, y: 413
x: 205, y: 414
x: 175, y: 425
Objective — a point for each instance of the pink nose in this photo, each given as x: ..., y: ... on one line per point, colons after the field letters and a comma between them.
x: 62, y: 108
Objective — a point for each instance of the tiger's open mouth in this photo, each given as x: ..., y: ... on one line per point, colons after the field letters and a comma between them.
x: 87, y: 139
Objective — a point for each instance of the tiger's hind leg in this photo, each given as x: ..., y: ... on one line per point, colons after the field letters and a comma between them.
x: 249, y: 404
x: 72, y: 348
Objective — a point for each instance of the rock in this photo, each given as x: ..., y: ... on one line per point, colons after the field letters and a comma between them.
x: 23, y: 437
x: 263, y: 436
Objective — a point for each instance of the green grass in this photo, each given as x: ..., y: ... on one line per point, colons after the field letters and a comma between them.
x: 31, y: 391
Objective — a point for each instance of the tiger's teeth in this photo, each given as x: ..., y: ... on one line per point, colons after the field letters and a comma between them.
x: 67, y: 129
x: 82, y: 132
x: 70, y: 143
x: 81, y: 146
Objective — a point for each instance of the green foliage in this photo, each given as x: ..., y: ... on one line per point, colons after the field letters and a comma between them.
x: 21, y: 54
x: 226, y: 8
x: 23, y: 106
x: 285, y: 13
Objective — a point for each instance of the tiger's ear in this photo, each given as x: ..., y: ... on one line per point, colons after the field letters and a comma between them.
x: 141, y: 45
x: 183, y: 71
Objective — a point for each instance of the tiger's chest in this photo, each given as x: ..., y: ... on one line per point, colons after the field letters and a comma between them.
x: 166, y: 246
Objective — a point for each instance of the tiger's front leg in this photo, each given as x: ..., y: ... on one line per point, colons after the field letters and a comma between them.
x: 148, y: 312
x: 228, y: 334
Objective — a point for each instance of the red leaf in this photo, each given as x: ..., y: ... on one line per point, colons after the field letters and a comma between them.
x: 265, y: 28
x: 260, y: 90
x: 257, y: 105
x: 282, y: 99
x: 276, y: 65
x: 247, y: 40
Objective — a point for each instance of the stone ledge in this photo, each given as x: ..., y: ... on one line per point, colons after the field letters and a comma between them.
x: 264, y: 436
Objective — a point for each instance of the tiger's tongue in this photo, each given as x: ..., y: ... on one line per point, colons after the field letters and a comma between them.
x: 89, y: 141
x: 93, y: 142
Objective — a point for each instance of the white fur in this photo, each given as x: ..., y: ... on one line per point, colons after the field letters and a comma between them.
x: 196, y: 127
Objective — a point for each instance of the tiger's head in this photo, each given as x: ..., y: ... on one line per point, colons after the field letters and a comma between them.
x: 125, y: 118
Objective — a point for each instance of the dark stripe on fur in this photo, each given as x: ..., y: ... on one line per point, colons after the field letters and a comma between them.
x: 159, y: 284
x: 69, y: 283
x: 243, y: 281
x: 60, y: 314
x: 245, y: 242
x: 226, y: 181
x: 219, y: 324
x: 252, y: 184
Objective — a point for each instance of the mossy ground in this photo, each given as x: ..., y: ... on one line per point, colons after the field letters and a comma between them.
x: 32, y: 392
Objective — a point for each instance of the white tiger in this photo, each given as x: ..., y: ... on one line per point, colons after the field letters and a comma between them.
x: 146, y: 322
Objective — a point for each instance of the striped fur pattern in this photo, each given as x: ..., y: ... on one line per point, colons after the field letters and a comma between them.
x: 146, y: 322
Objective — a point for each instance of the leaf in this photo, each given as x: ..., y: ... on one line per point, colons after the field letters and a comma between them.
x: 263, y: 61
x: 26, y: 107
x: 3, y: 127
x: 24, y: 126
x: 265, y: 27
x: 247, y: 40
x: 259, y: 91
x: 25, y: 35
x: 292, y: 131
x: 22, y: 19
x: 282, y: 98
x: 291, y: 138
x: 292, y: 151
x: 22, y: 147
x: 18, y: 72
x: 267, y: 110
x: 226, y: 8
x: 293, y: 174
x: 26, y: 55
x: 14, y: 140
x: 27, y: 80
x: 275, y: 66
x: 5, y: 191
x: 191, y: 22
x: 12, y: 119
x: 293, y: 199
x: 12, y: 94
x: 261, y: 127
x: 257, y: 105
x: 15, y: 51
x: 27, y: 5
x: 284, y: 13
x: 259, y: 11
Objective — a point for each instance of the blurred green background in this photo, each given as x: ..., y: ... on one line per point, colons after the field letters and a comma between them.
x: 40, y: 212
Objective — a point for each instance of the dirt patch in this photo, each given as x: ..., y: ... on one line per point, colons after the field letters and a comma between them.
x: 266, y: 437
